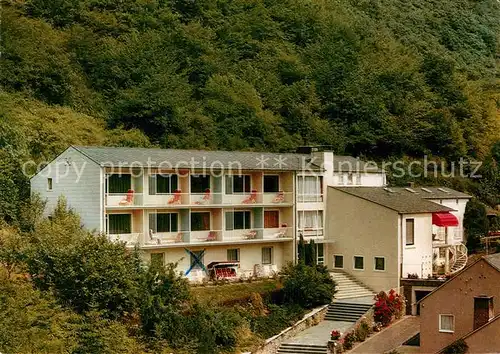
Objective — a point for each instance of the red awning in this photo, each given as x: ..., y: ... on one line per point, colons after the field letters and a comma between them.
x: 444, y: 219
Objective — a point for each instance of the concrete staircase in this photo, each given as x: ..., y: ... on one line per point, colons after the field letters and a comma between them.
x: 348, y: 286
x: 346, y: 311
x: 291, y: 348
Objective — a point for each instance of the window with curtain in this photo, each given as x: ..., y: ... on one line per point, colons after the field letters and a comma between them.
x: 119, y: 224
x: 165, y: 184
x: 311, y: 220
x: 267, y: 255
x: 309, y: 188
x: 271, y: 183
x: 320, y: 254
x: 238, y: 184
x: 199, y: 183
x: 446, y: 323
x: 271, y: 219
x: 233, y: 254
x: 410, y: 232
x: 166, y: 222
x: 200, y: 221
x: 119, y: 183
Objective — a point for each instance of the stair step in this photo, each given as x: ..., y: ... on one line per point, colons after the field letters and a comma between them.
x: 297, y: 348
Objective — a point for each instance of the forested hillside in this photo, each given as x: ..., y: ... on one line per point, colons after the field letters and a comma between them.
x: 374, y: 77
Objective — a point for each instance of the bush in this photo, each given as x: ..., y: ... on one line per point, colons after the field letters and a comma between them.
x: 458, y: 347
x: 349, y: 340
x: 278, y: 318
x: 307, y: 286
x: 387, y: 306
x: 362, y: 331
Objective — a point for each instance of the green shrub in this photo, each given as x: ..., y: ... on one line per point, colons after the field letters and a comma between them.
x: 278, y: 318
x: 458, y: 347
x: 307, y: 286
x: 362, y: 331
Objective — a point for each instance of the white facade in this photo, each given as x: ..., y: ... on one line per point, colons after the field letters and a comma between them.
x: 79, y: 180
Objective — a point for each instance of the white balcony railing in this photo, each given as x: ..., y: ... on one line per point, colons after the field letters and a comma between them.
x: 130, y: 239
x: 197, y: 199
x: 124, y: 199
x: 309, y: 198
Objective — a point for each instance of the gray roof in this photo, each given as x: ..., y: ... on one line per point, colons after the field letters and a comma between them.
x: 494, y: 260
x: 434, y: 192
x: 402, y: 202
x: 196, y: 159
x: 353, y: 164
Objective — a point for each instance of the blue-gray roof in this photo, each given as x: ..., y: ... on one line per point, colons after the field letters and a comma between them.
x: 196, y: 159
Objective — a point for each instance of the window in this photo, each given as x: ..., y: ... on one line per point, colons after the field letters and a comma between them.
x: 446, y: 323
x: 200, y: 221
x: 49, y: 184
x: 119, y: 183
x: 200, y: 255
x: 359, y: 262
x: 199, y: 184
x: 119, y: 224
x: 311, y: 220
x: 157, y: 259
x: 350, y: 178
x: 238, y: 184
x: 233, y: 254
x: 320, y: 256
x: 338, y: 261
x: 379, y: 263
x: 267, y: 255
x: 271, y: 183
x: 271, y: 219
x: 238, y: 220
x: 163, y: 184
x: 310, y: 188
x: 166, y: 222
x: 410, y: 232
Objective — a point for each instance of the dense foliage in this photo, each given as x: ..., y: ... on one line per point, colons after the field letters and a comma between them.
x: 307, y: 286
x: 381, y: 77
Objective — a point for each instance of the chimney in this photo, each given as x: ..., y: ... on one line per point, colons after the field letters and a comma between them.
x: 483, y: 310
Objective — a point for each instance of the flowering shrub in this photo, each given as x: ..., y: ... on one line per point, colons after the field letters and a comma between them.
x: 349, y: 340
x: 387, y: 306
x: 335, y: 334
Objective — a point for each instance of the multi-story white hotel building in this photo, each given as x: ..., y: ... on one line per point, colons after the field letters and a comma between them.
x: 196, y: 207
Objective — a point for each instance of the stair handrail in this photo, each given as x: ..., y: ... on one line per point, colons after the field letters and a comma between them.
x: 462, y: 254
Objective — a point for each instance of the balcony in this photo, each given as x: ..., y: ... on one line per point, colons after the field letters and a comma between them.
x: 174, y: 200
x: 183, y: 238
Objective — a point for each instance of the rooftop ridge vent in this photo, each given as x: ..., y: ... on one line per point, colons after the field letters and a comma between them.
x: 411, y: 190
x: 426, y: 190
x: 389, y: 190
x: 444, y: 190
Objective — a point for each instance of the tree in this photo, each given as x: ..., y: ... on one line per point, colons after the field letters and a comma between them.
x: 476, y: 223
x: 84, y: 271
x: 307, y: 286
x: 301, y: 249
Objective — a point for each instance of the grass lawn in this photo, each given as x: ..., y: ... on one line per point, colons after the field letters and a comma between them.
x: 221, y: 293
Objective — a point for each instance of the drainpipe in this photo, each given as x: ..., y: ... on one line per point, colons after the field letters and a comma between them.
x: 400, y: 249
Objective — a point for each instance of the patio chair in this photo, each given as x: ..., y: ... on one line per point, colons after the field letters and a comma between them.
x: 212, y: 236
x: 176, y: 198
x: 280, y: 197
x: 282, y: 231
x: 128, y: 199
x: 250, y: 235
x: 205, y: 199
x: 252, y: 198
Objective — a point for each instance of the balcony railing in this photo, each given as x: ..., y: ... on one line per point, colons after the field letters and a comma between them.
x: 309, y: 198
x: 197, y: 199
x: 193, y: 237
x: 311, y: 231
